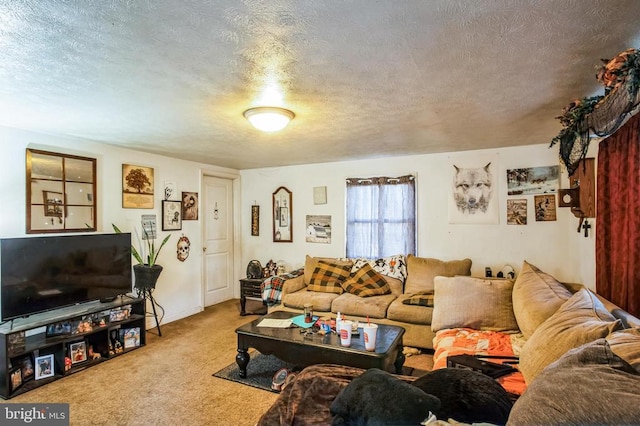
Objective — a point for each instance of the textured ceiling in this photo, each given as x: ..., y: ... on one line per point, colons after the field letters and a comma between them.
x: 365, y: 78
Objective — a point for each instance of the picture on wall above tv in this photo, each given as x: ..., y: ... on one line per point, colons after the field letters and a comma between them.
x: 38, y: 274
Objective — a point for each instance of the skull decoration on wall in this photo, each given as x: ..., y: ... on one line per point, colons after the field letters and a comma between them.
x: 183, y: 248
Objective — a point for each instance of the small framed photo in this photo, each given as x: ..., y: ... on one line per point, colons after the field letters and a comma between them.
x: 171, y: 215
x: 130, y: 337
x: 15, y: 378
x: 59, y: 328
x: 78, y: 352
x: 44, y: 366
x: 189, y: 206
x: 26, y: 365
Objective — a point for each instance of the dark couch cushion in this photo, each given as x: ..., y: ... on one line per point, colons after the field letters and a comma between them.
x: 378, y: 398
x: 466, y: 396
x: 588, y: 385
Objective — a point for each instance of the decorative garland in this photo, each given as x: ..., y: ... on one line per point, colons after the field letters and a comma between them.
x: 600, y: 115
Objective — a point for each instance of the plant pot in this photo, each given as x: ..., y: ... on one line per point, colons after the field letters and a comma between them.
x: 146, y: 276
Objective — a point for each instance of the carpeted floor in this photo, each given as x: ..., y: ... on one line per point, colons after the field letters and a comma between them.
x: 169, y: 380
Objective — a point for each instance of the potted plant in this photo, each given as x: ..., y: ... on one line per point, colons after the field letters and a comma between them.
x: 146, y: 273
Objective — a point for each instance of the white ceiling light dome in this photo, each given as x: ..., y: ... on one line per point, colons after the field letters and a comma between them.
x: 269, y: 119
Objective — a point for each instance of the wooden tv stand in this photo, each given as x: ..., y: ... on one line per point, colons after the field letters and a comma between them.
x: 74, y: 338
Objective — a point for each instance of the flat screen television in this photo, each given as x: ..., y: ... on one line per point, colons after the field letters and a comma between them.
x: 38, y: 274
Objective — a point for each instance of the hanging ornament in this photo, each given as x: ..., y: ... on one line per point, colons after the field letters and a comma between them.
x: 183, y: 248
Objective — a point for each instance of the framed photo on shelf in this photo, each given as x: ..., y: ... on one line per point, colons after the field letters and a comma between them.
x: 78, y: 352
x: 44, y: 367
x: 26, y: 365
x: 59, y: 328
x: 15, y: 378
x: 171, y: 215
x: 130, y: 337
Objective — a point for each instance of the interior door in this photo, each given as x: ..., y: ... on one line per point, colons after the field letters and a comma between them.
x: 218, y: 249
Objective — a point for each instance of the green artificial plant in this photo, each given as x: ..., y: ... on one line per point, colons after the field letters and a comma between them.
x: 152, y: 255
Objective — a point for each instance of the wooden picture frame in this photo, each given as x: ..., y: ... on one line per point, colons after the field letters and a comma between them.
x: 171, y: 215
x: 61, y: 192
x: 45, y: 367
x: 255, y: 220
x: 282, y: 215
x: 189, y: 206
x: 78, y: 352
x: 137, y: 187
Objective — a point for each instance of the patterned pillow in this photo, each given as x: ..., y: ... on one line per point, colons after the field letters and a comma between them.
x: 392, y: 266
x: 425, y: 299
x: 327, y: 277
x: 366, y: 282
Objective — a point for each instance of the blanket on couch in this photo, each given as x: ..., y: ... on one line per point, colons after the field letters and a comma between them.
x: 271, y: 288
x: 458, y: 341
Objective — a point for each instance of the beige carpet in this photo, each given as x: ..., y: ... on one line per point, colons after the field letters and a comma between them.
x: 169, y: 381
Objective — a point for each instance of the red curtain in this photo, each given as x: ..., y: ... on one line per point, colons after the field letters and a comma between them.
x: 618, y: 217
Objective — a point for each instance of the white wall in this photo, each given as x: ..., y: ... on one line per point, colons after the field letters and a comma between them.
x: 179, y: 289
x: 555, y: 247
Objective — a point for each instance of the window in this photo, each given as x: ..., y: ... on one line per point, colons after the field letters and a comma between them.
x: 381, y: 217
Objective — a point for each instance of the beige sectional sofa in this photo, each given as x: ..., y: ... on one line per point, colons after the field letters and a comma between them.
x: 407, y: 277
x: 579, y: 354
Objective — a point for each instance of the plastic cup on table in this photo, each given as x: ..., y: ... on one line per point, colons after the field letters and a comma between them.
x: 370, y: 331
x: 345, y: 333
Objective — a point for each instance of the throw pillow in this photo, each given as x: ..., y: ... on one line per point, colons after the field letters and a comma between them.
x: 589, y: 385
x: 327, y: 277
x: 392, y: 266
x: 536, y: 296
x: 581, y: 319
x: 366, y: 282
x: 626, y: 344
x: 366, y: 401
x: 420, y: 300
x: 466, y: 396
x: 481, y: 304
x: 422, y: 270
x: 310, y: 264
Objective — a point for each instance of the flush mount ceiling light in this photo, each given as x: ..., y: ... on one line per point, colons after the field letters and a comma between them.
x: 269, y: 119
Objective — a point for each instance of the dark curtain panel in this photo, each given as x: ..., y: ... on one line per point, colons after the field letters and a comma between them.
x: 618, y: 217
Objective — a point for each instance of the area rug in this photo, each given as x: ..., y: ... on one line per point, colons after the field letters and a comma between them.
x: 260, y: 371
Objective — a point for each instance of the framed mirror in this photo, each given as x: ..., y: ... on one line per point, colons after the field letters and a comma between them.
x: 61, y: 192
x: 282, y: 214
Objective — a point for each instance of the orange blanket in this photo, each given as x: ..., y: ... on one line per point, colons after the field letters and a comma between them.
x: 458, y: 341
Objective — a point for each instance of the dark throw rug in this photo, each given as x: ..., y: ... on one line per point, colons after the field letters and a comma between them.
x: 260, y: 371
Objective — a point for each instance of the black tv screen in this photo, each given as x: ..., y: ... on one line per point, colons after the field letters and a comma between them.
x: 43, y: 273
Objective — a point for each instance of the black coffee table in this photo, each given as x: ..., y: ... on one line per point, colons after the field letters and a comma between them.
x: 303, y: 349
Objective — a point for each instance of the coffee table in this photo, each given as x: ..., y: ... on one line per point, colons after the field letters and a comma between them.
x: 304, y: 349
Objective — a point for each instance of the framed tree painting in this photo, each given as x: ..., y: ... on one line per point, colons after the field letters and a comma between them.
x: 137, y: 187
